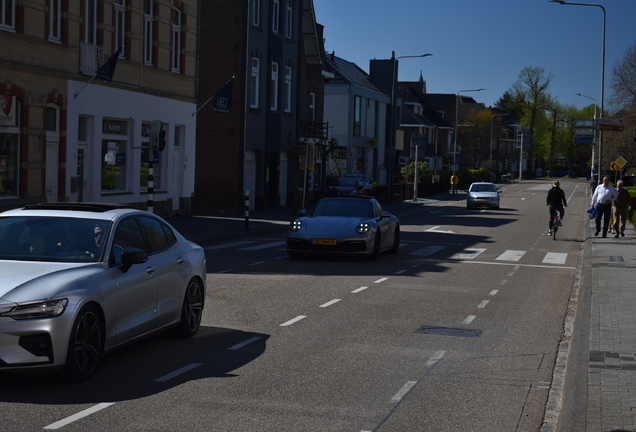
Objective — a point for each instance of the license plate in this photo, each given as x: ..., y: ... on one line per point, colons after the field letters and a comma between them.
x: 328, y: 242
x: 484, y: 202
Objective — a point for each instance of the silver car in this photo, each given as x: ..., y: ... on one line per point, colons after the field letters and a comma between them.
x: 482, y: 194
x: 79, y: 280
x: 344, y: 225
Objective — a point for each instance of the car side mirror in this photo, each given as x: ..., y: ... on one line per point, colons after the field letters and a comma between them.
x: 385, y: 214
x: 130, y: 256
x: 302, y: 212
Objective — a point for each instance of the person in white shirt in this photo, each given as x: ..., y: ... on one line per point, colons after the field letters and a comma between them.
x: 602, y: 199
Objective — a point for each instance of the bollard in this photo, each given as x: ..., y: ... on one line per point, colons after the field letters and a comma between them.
x: 247, y: 210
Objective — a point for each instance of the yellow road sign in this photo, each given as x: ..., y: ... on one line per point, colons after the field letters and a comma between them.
x: 614, y: 167
x: 621, y: 161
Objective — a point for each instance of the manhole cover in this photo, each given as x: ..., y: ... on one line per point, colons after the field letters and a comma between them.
x: 445, y: 331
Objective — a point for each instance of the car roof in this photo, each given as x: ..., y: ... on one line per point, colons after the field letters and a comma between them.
x: 103, y: 211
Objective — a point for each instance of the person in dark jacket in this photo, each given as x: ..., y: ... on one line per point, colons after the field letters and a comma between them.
x: 556, y: 201
x: 622, y: 206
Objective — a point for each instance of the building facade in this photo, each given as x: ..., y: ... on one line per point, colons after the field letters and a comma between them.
x: 75, y: 137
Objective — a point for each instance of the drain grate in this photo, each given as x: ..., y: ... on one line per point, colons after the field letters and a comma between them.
x: 446, y: 331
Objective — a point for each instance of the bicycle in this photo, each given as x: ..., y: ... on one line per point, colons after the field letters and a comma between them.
x: 556, y: 223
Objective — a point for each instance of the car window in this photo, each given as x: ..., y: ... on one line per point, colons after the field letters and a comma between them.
x: 160, y: 236
x: 47, y: 238
x: 127, y: 234
x: 377, y: 208
x: 483, y: 188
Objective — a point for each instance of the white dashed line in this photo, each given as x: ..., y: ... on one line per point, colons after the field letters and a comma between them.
x: 469, y: 319
x: 503, y: 282
x: 403, y: 391
x: 493, y: 292
x: 435, y: 358
x: 257, y: 263
x: 226, y: 271
x: 244, y: 343
x: 329, y: 303
x: 400, y: 272
x: 293, y: 320
x: 178, y: 372
x: 483, y: 304
x: 380, y: 280
x: 79, y: 415
x: 355, y: 291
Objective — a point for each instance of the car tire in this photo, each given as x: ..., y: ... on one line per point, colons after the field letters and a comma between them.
x: 396, y: 240
x: 377, y: 242
x: 192, y: 309
x: 85, y: 345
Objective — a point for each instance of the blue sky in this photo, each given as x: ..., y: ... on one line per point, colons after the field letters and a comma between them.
x: 484, y: 43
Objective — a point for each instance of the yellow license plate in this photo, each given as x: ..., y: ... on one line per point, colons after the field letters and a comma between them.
x: 328, y: 242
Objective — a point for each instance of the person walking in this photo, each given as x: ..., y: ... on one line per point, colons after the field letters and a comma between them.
x: 454, y: 181
x: 602, y: 199
x: 556, y: 201
x: 622, y: 206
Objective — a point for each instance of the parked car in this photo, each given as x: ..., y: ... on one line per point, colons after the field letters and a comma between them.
x: 482, y: 194
x: 354, y: 225
x: 349, y: 185
x: 82, y: 279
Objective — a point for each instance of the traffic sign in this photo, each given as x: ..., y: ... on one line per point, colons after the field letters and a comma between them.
x: 616, y: 121
x: 584, y: 123
x: 609, y: 127
x: 584, y: 139
x: 614, y: 167
x: 584, y: 131
x: 621, y: 161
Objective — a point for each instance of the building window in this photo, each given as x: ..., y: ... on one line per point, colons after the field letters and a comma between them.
x: 273, y: 90
x: 90, y: 21
x: 52, y: 118
x: 54, y: 20
x: 7, y: 14
x: 312, y: 106
x: 288, y: 89
x: 256, y: 13
x: 289, y: 23
x: 276, y: 16
x: 9, y: 150
x: 114, y: 145
x: 357, y: 115
x: 144, y: 162
x: 148, y: 25
x: 120, y: 26
x: 176, y: 40
x: 178, y: 136
x: 254, y: 87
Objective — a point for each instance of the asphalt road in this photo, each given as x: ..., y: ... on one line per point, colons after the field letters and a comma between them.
x: 459, y: 331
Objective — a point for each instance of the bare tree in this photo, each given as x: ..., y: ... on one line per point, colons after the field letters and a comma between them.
x: 623, y: 80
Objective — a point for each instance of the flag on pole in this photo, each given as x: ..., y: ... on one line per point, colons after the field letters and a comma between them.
x: 222, y: 102
x: 107, y: 70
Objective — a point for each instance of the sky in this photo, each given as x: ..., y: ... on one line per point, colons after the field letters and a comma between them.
x: 485, y: 43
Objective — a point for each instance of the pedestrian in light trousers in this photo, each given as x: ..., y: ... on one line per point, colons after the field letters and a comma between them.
x: 602, y: 199
x: 622, y: 206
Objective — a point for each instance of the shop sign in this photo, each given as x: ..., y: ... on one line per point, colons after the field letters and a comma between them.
x: 7, y: 111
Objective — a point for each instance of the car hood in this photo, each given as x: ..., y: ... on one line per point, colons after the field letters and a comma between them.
x: 31, y: 281
x: 330, y: 225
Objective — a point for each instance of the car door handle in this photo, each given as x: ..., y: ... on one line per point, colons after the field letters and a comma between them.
x: 180, y: 260
x: 150, y: 270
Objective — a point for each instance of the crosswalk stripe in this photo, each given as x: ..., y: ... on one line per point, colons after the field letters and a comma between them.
x: 468, y: 253
x: 511, y: 255
x: 555, y: 258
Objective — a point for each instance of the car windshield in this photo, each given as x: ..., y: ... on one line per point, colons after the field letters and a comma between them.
x: 483, y: 188
x: 348, y: 182
x: 343, y: 207
x: 52, y: 239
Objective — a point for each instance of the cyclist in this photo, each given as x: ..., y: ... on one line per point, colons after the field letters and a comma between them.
x: 556, y: 201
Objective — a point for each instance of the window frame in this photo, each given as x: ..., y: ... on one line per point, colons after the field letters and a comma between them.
x: 256, y: 13
x: 175, y: 60
x: 4, y: 4
x: 276, y: 16
x: 119, y: 33
x: 288, y: 89
x: 149, y: 19
x: 289, y: 22
x: 274, y: 86
x: 55, y: 21
x: 89, y: 33
x: 255, y: 82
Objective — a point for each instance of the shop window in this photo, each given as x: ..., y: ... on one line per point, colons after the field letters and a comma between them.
x: 114, y: 154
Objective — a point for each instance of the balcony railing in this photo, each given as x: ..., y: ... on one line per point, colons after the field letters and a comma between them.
x: 91, y: 58
x: 311, y: 129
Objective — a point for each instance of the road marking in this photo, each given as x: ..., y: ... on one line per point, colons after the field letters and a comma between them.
x: 428, y: 250
x: 380, y: 280
x: 403, y: 391
x: 493, y: 292
x: 329, y: 303
x: 400, y: 272
x: 293, y: 320
x: 503, y: 282
x: 263, y: 246
x: 355, y: 291
x: 227, y: 245
x: 257, y: 263
x: 434, y: 229
x: 178, y: 372
x: 435, y: 358
x: 79, y: 415
x: 555, y: 258
x: 469, y: 319
x: 511, y: 255
x: 500, y: 263
x: 483, y: 304
x: 226, y: 271
x: 244, y: 343
x: 468, y: 253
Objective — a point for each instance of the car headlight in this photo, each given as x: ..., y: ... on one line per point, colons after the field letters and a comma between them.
x: 45, y: 309
x: 296, y: 225
x: 363, y: 228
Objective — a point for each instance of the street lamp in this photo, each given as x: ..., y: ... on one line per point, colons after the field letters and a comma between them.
x: 394, y: 59
x: 456, y: 114
x: 593, y: 144
x: 491, y: 139
x: 600, y: 135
